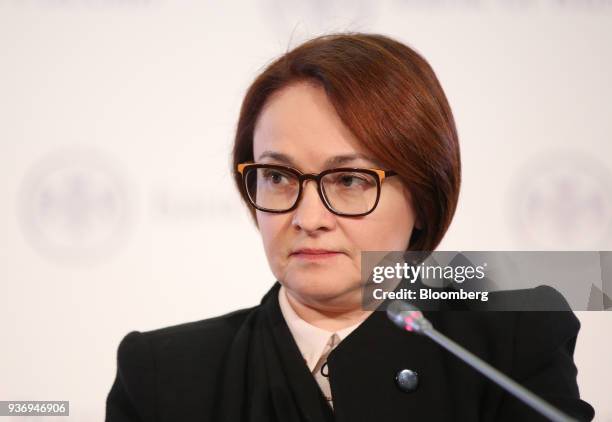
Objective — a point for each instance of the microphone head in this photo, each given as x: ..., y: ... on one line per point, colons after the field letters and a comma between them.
x: 407, y: 316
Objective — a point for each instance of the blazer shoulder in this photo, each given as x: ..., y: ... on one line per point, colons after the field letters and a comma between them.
x: 547, y: 326
x: 206, y: 340
x: 539, y: 319
x: 178, y: 355
x: 148, y: 348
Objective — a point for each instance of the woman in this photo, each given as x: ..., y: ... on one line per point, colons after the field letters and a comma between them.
x: 309, y: 351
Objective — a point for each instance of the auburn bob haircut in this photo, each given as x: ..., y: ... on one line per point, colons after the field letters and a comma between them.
x: 390, y: 98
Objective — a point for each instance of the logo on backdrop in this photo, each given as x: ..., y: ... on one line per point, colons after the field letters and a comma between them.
x: 561, y: 200
x: 74, y: 206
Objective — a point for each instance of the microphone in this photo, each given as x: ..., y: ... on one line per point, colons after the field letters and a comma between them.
x: 408, y: 317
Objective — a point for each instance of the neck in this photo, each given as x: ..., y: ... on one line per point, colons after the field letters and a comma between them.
x: 326, y: 317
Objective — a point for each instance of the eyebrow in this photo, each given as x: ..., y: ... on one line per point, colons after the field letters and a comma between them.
x: 331, y: 162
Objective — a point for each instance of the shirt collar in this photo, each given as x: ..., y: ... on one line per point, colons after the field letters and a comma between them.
x: 311, y: 340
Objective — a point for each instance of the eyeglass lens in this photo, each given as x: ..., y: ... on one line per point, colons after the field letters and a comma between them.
x: 347, y: 192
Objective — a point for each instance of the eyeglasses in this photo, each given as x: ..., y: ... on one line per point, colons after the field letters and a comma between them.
x: 349, y: 192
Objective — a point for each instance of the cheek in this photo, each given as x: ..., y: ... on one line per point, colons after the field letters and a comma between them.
x: 382, y: 235
x: 388, y: 228
x: 271, y: 228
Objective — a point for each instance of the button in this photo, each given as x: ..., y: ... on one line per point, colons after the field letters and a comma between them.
x: 407, y: 380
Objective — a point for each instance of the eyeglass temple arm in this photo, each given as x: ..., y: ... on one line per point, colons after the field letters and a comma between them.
x: 383, y: 174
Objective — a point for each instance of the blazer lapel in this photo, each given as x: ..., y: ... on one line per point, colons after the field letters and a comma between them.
x: 305, y: 390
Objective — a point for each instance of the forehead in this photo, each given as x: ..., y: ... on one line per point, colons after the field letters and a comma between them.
x: 301, y: 123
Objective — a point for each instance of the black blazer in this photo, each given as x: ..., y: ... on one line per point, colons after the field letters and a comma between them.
x: 245, y: 365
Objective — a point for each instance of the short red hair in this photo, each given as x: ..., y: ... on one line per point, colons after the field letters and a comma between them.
x: 390, y: 98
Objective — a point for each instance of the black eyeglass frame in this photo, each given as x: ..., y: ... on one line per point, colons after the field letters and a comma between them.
x: 379, y: 176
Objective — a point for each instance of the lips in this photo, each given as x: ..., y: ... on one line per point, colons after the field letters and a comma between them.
x: 314, y: 254
x: 311, y: 251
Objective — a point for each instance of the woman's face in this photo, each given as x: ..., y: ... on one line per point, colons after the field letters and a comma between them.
x: 299, y: 127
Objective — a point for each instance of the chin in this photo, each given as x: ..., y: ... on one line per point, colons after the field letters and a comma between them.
x: 319, y: 287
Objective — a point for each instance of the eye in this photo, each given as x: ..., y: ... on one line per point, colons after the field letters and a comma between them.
x: 276, y: 177
x: 352, y: 180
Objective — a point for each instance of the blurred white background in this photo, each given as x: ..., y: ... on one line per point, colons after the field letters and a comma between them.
x: 116, y: 123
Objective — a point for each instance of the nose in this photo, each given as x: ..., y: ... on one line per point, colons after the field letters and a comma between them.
x: 311, y: 214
